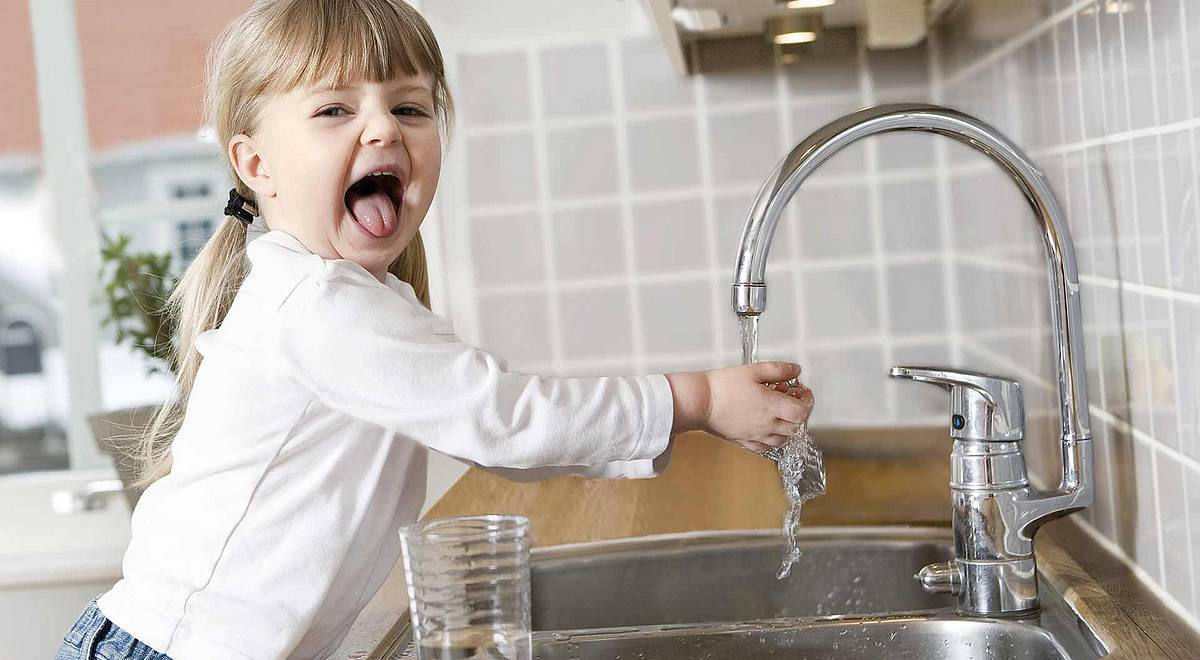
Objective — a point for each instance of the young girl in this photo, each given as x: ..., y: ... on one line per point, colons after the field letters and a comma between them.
x: 279, y: 476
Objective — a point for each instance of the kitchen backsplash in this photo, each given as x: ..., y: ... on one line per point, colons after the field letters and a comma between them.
x: 599, y: 199
x: 602, y: 198
x: 1101, y: 95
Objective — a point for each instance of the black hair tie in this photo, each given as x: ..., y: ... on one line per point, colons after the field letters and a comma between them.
x: 235, y: 207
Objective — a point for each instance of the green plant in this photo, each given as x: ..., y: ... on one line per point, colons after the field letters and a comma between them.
x: 136, y: 288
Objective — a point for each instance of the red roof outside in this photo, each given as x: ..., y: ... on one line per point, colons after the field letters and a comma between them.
x: 143, y: 68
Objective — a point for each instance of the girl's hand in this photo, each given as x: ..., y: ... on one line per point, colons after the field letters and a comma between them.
x: 733, y: 404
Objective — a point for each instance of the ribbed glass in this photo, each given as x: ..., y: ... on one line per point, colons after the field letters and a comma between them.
x: 468, y: 587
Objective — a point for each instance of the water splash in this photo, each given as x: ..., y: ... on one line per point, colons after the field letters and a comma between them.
x: 803, y: 473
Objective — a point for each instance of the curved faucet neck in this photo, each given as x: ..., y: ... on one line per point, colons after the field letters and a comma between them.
x: 749, y: 286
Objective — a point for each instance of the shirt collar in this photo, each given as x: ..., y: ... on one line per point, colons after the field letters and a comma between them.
x: 293, y: 244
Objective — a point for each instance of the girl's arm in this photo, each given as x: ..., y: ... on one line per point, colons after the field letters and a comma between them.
x: 690, y: 392
x: 366, y: 351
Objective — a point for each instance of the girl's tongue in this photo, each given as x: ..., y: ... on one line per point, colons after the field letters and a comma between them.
x: 373, y: 210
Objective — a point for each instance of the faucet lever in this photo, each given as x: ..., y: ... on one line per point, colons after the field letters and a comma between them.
x: 982, y: 406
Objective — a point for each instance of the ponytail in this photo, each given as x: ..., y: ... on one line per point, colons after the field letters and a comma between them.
x: 411, y: 267
x: 197, y: 304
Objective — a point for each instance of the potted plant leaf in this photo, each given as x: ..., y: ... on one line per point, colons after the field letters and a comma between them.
x: 136, y: 288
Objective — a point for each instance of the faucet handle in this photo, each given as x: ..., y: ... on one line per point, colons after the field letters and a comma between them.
x: 982, y: 407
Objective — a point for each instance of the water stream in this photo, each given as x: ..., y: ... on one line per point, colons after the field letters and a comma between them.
x: 801, y: 468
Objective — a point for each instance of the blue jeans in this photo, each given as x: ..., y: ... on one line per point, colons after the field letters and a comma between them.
x: 94, y: 637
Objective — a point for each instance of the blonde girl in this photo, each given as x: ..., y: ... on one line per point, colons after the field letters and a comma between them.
x: 312, y: 376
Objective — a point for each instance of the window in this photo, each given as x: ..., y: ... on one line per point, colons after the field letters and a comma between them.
x: 29, y: 438
x: 192, y: 234
x: 189, y: 189
x: 22, y: 350
x: 187, y: 192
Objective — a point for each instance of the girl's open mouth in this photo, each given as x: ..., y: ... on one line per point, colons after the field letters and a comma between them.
x: 374, y: 202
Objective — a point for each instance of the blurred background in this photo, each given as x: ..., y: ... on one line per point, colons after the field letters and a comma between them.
x: 603, y: 165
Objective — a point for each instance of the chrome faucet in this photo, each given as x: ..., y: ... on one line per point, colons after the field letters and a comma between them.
x: 995, y: 511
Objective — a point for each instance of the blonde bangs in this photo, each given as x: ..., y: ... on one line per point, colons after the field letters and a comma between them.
x: 337, y: 43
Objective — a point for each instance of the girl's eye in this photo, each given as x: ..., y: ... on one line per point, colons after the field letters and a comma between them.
x: 408, y: 111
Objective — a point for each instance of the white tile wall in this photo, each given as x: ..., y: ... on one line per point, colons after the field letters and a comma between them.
x: 601, y: 199
x: 1103, y: 96
x: 615, y: 193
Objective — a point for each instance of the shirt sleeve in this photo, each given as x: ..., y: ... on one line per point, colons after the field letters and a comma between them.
x: 366, y: 351
x: 639, y: 469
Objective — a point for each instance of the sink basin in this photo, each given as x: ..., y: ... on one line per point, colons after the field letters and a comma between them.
x: 714, y: 595
x: 925, y: 638
x: 717, y: 576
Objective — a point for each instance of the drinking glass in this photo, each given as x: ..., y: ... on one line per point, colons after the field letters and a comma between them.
x: 468, y: 587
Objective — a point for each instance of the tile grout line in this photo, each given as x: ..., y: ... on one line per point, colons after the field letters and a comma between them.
x: 461, y: 284
x: 1097, y: 280
x: 875, y: 213
x: 1185, y: 44
x: 1119, y: 137
x: 1058, y: 89
x: 1012, y: 45
x: 1137, y: 331
x: 823, y: 345
x: 787, y: 130
x: 1156, y: 113
x: 541, y: 151
x: 944, y: 209
x: 721, y: 108
x: 816, y: 266
x: 708, y: 203
x: 613, y: 58
x: 818, y: 181
x: 1094, y: 232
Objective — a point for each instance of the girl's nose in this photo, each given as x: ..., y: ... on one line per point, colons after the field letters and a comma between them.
x: 382, y: 129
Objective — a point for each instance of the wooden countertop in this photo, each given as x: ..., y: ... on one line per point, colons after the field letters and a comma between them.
x: 874, y: 477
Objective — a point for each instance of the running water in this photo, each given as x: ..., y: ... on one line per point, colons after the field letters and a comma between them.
x: 803, y: 475
x: 800, y: 466
x: 749, y: 339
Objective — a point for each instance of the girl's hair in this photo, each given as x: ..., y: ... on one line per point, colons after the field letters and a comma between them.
x: 275, y: 47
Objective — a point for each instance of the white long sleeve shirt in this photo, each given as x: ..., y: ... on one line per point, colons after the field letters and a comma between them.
x: 303, y: 451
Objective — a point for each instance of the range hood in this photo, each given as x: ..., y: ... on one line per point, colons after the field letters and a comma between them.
x: 702, y: 35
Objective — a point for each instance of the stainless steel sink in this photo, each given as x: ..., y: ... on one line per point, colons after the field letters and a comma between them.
x: 891, y: 638
x: 714, y: 595
x: 717, y: 576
